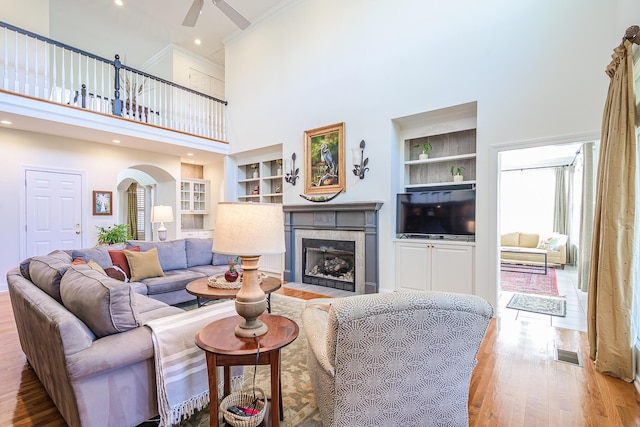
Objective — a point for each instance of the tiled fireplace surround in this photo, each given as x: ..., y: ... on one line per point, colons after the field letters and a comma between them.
x: 356, y: 221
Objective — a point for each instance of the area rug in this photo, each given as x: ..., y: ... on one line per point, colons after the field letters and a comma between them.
x: 554, y: 306
x: 297, y: 394
x: 526, y: 282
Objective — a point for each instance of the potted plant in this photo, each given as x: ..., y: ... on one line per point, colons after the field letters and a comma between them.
x: 456, y: 172
x: 231, y: 275
x: 279, y: 170
x: 118, y: 233
x: 426, y: 147
x: 254, y: 167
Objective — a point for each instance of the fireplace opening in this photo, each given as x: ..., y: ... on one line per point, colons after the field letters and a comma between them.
x: 329, y: 263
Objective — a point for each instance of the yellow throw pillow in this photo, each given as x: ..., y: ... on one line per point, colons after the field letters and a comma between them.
x: 143, y: 264
x: 96, y: 266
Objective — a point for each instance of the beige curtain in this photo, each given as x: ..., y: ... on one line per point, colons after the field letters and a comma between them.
x: 132, y: 210
x: 586, y: 217
x: 610, y: 285
x: 561, y: 214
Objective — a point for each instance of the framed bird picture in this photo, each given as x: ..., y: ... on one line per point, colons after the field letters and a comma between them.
x: 324, y: 167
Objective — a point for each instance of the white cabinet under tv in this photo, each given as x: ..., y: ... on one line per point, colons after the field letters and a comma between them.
x: 435, y: 265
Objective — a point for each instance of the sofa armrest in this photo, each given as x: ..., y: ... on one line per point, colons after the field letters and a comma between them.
x: 111, y: 352
x: 314, y: 322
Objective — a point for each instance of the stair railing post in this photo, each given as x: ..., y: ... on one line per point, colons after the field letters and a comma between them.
x: 117, y: 102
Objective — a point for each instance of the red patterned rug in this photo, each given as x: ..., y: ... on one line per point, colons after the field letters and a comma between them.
x: 525, y: 282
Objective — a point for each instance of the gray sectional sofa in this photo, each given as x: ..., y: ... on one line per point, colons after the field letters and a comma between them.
x: 82, y: 331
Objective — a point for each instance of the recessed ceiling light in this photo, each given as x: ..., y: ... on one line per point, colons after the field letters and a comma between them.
x: 189, y: 154
x: 116, y: 141
x: 5, y: 122
x: 197, y: 41
x: 118, y: 2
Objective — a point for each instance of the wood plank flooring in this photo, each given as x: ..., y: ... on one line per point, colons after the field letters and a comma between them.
x: 517, y: 382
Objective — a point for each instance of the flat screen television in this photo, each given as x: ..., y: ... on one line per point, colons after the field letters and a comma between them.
x: 436, y: 213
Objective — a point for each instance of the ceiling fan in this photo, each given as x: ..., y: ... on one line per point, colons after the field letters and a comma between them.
x: 194, y: 11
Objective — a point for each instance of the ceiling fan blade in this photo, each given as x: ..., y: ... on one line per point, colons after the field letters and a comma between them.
x: 193, y: 13
x: 232, y: 14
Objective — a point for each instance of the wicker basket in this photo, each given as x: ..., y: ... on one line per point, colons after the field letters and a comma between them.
x: 221, y: 283
x: 244, y: 398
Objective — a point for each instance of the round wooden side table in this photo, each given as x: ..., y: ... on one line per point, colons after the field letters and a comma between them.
x: 223, y: 348
x: 201, y: 289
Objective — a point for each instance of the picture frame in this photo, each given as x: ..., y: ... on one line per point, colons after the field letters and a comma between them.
x: 324, y: 167
x: 102, y: 202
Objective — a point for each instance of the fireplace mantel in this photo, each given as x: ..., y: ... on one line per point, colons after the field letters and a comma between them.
x: 356, y: 216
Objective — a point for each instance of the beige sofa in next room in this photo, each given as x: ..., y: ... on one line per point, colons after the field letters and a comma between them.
x: 555, y: 245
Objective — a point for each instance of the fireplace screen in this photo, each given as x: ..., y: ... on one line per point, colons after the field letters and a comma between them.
x: 329, y: 263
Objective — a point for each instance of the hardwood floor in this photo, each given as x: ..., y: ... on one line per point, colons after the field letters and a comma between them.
x: 517, y: 382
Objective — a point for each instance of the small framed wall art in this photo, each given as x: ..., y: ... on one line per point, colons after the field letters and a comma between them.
x: 324, y: 159
x: 102, y: 202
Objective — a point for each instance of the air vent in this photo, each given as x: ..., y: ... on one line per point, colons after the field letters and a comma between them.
x: 570, y: 357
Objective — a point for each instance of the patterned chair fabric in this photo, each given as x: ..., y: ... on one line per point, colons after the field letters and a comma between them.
x: 395, y: 359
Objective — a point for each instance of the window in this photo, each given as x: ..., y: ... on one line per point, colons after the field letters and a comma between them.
x: 527, y: 200
x: 140, y: 199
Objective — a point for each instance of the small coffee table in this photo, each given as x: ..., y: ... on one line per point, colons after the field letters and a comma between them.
x: 519, y: 267
x: 223, y: 348
x: 202, y: 291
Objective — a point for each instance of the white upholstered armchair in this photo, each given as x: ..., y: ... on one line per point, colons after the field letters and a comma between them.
x: 394, y: 359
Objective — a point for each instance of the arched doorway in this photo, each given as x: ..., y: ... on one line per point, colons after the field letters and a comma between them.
x: 139, y: 188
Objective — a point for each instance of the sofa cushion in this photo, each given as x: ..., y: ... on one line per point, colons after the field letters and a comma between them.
x: 219, y: 259
x: 174, y: 280
x: 64, y: 256
x: 45, y: 272
x: 99, y: 254
x: 528, y: 240
x: 510, y: 239
x: 210, y: 270
x: 105, y: 305
x: 143, y: 264
x: 119, y: 259
x: 172, y: 254
x: 199, y: 251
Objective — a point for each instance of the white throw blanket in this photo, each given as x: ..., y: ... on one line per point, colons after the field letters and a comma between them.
x: 181, y: 368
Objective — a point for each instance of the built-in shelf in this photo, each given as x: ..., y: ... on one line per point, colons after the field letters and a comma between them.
x: 441, y: 184
x: 266, y: 187
x: 451, y: 150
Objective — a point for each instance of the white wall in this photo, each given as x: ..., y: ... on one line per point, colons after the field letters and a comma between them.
x: 100, y: 163
x: 535, y: 68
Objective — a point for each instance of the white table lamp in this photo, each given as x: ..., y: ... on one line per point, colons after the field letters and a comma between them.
x: 249, y: 230
x: 162, y: 214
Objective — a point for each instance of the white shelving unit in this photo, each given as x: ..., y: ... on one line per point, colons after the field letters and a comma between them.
x: 456, y: 149
x: 264, y: 186
x: 194, y: 196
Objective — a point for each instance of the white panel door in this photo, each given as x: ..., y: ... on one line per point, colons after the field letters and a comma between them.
x: 452, y: 268
x: 53, y: 211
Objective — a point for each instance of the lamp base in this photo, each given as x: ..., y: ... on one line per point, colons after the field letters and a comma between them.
x: 162, y: 232
x: 251, y: 300
x: 248, y: 331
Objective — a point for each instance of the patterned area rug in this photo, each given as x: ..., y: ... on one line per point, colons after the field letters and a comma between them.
x: 297, y: 394
x: 526, y: 282
x: 553, y: 306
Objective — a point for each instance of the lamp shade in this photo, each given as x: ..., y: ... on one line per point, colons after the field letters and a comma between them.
x: 161, y: 213
x: 249, y: 229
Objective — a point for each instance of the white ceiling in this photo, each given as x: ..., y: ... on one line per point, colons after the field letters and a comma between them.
x: 141, y: 28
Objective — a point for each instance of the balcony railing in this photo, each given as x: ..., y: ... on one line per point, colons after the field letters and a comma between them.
x: 38, y: 67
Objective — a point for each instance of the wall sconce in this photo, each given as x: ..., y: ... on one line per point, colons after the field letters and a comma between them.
x: 359, y: 162
x: 290, y: 170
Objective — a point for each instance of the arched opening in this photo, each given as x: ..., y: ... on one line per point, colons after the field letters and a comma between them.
x: 139, y: 188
